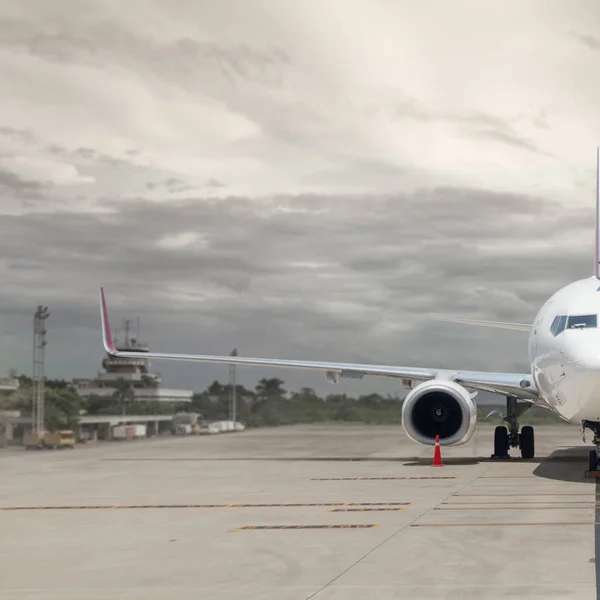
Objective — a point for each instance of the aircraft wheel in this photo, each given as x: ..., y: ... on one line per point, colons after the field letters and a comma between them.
x: 501, y: 441
x: 527, y: 442
x: 593, y: 461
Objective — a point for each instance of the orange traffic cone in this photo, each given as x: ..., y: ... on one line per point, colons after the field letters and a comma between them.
x: 437, y: 455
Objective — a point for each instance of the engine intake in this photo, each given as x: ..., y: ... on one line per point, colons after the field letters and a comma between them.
x: 439, y: 407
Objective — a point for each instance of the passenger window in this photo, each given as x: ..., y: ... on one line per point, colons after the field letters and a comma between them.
x: 582, y: 322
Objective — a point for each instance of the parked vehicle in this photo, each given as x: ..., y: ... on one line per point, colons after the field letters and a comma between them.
x: 183, y: 429
x: 65, y: 439
x: 126, y: 432
x: 33, y: 440
x: 209, y: 429
x: 50, y: 440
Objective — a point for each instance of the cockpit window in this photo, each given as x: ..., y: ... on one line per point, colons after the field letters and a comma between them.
x: 582, y: 321
x: 558, y: 325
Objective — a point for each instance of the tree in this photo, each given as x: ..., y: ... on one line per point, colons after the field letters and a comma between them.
x: 20, y: 399
x: 270, y: 388
x: 215, y: 389
x: 149, y: 381
x: 62, y: 407
x: 123, y: 394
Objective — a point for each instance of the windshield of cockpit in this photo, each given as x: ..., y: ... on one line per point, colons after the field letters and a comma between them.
x: 562, y: 322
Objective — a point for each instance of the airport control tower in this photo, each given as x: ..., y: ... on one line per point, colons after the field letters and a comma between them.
x: 146, y: 385
x: 134, y: 370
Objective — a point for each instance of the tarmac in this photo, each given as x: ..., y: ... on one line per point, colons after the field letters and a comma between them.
x: 292, y: 513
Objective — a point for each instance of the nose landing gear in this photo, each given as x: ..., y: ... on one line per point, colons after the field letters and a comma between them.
x: 505, y: 438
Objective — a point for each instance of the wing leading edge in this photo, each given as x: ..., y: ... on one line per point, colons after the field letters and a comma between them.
x: 517, y: 384
x: 496, y: 324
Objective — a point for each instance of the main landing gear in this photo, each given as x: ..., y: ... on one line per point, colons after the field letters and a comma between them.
x: 593, y: 459
x: 505, y: 438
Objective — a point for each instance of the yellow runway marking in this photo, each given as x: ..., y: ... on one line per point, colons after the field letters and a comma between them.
x: 248, y: 527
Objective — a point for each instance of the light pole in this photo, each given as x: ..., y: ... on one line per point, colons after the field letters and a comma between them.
x: 232, y: 386
x: 39, y: 345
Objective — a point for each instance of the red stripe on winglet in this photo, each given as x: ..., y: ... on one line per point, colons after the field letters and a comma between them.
x: 105, y: 326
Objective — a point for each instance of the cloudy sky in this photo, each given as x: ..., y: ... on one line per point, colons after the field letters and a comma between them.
x: 311, y: 180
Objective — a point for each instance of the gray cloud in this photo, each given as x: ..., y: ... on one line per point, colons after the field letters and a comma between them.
x: 18, y: 135
x: 343, y: 186
x: 14, y: 182
x: 106, y: 41
x: 362, y: 281
x: 509, y: 138
x: 172, y: 185
x: 214, y: 183
x: 474, y: 123
x: 588, y: 40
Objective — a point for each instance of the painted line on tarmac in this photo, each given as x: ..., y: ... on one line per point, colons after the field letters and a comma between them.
x: 510, y: 477
x: 259, y: 458
x: 140, y: 506
x: 373, y: 478
x: 524, y: 494
x: 520, y: 524
x: 489, y: 508
x: 353, y: 526
x: 521, y: 502
x: 387, y: 509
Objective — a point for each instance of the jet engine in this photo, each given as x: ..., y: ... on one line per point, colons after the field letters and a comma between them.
x: 439, y: 407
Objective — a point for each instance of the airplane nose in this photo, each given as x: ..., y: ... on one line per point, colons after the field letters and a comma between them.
x: 590, y: 363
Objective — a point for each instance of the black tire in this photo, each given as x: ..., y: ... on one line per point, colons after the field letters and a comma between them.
x: 501, y: 441
x: 593, y: 461
x: 527, y: 442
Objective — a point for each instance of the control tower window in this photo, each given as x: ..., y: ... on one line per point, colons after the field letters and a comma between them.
x: 582, y: 321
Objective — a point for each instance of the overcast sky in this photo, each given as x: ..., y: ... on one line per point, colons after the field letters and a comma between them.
x: 315, y: 179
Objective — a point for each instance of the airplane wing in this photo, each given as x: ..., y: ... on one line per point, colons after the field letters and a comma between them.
x: 497, y: 324
x: 520, y: 385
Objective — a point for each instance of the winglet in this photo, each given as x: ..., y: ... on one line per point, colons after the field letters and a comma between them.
x: 106, y: 335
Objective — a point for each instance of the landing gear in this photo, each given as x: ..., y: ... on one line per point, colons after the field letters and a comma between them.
x: 527, y: 442
x: 505, y: 438
x: 501, y: 444
x: 593, y: 461
x: 593, y: 458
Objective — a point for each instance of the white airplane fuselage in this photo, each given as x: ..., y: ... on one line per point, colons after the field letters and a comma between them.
x: 564, y: 351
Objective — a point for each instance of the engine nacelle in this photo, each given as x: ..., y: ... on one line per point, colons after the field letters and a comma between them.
x: 439, y: 407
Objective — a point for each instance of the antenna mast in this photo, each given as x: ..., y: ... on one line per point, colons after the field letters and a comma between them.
x: 127, y: 322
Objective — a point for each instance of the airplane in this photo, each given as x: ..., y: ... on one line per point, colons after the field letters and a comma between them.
x: 564, y: 375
